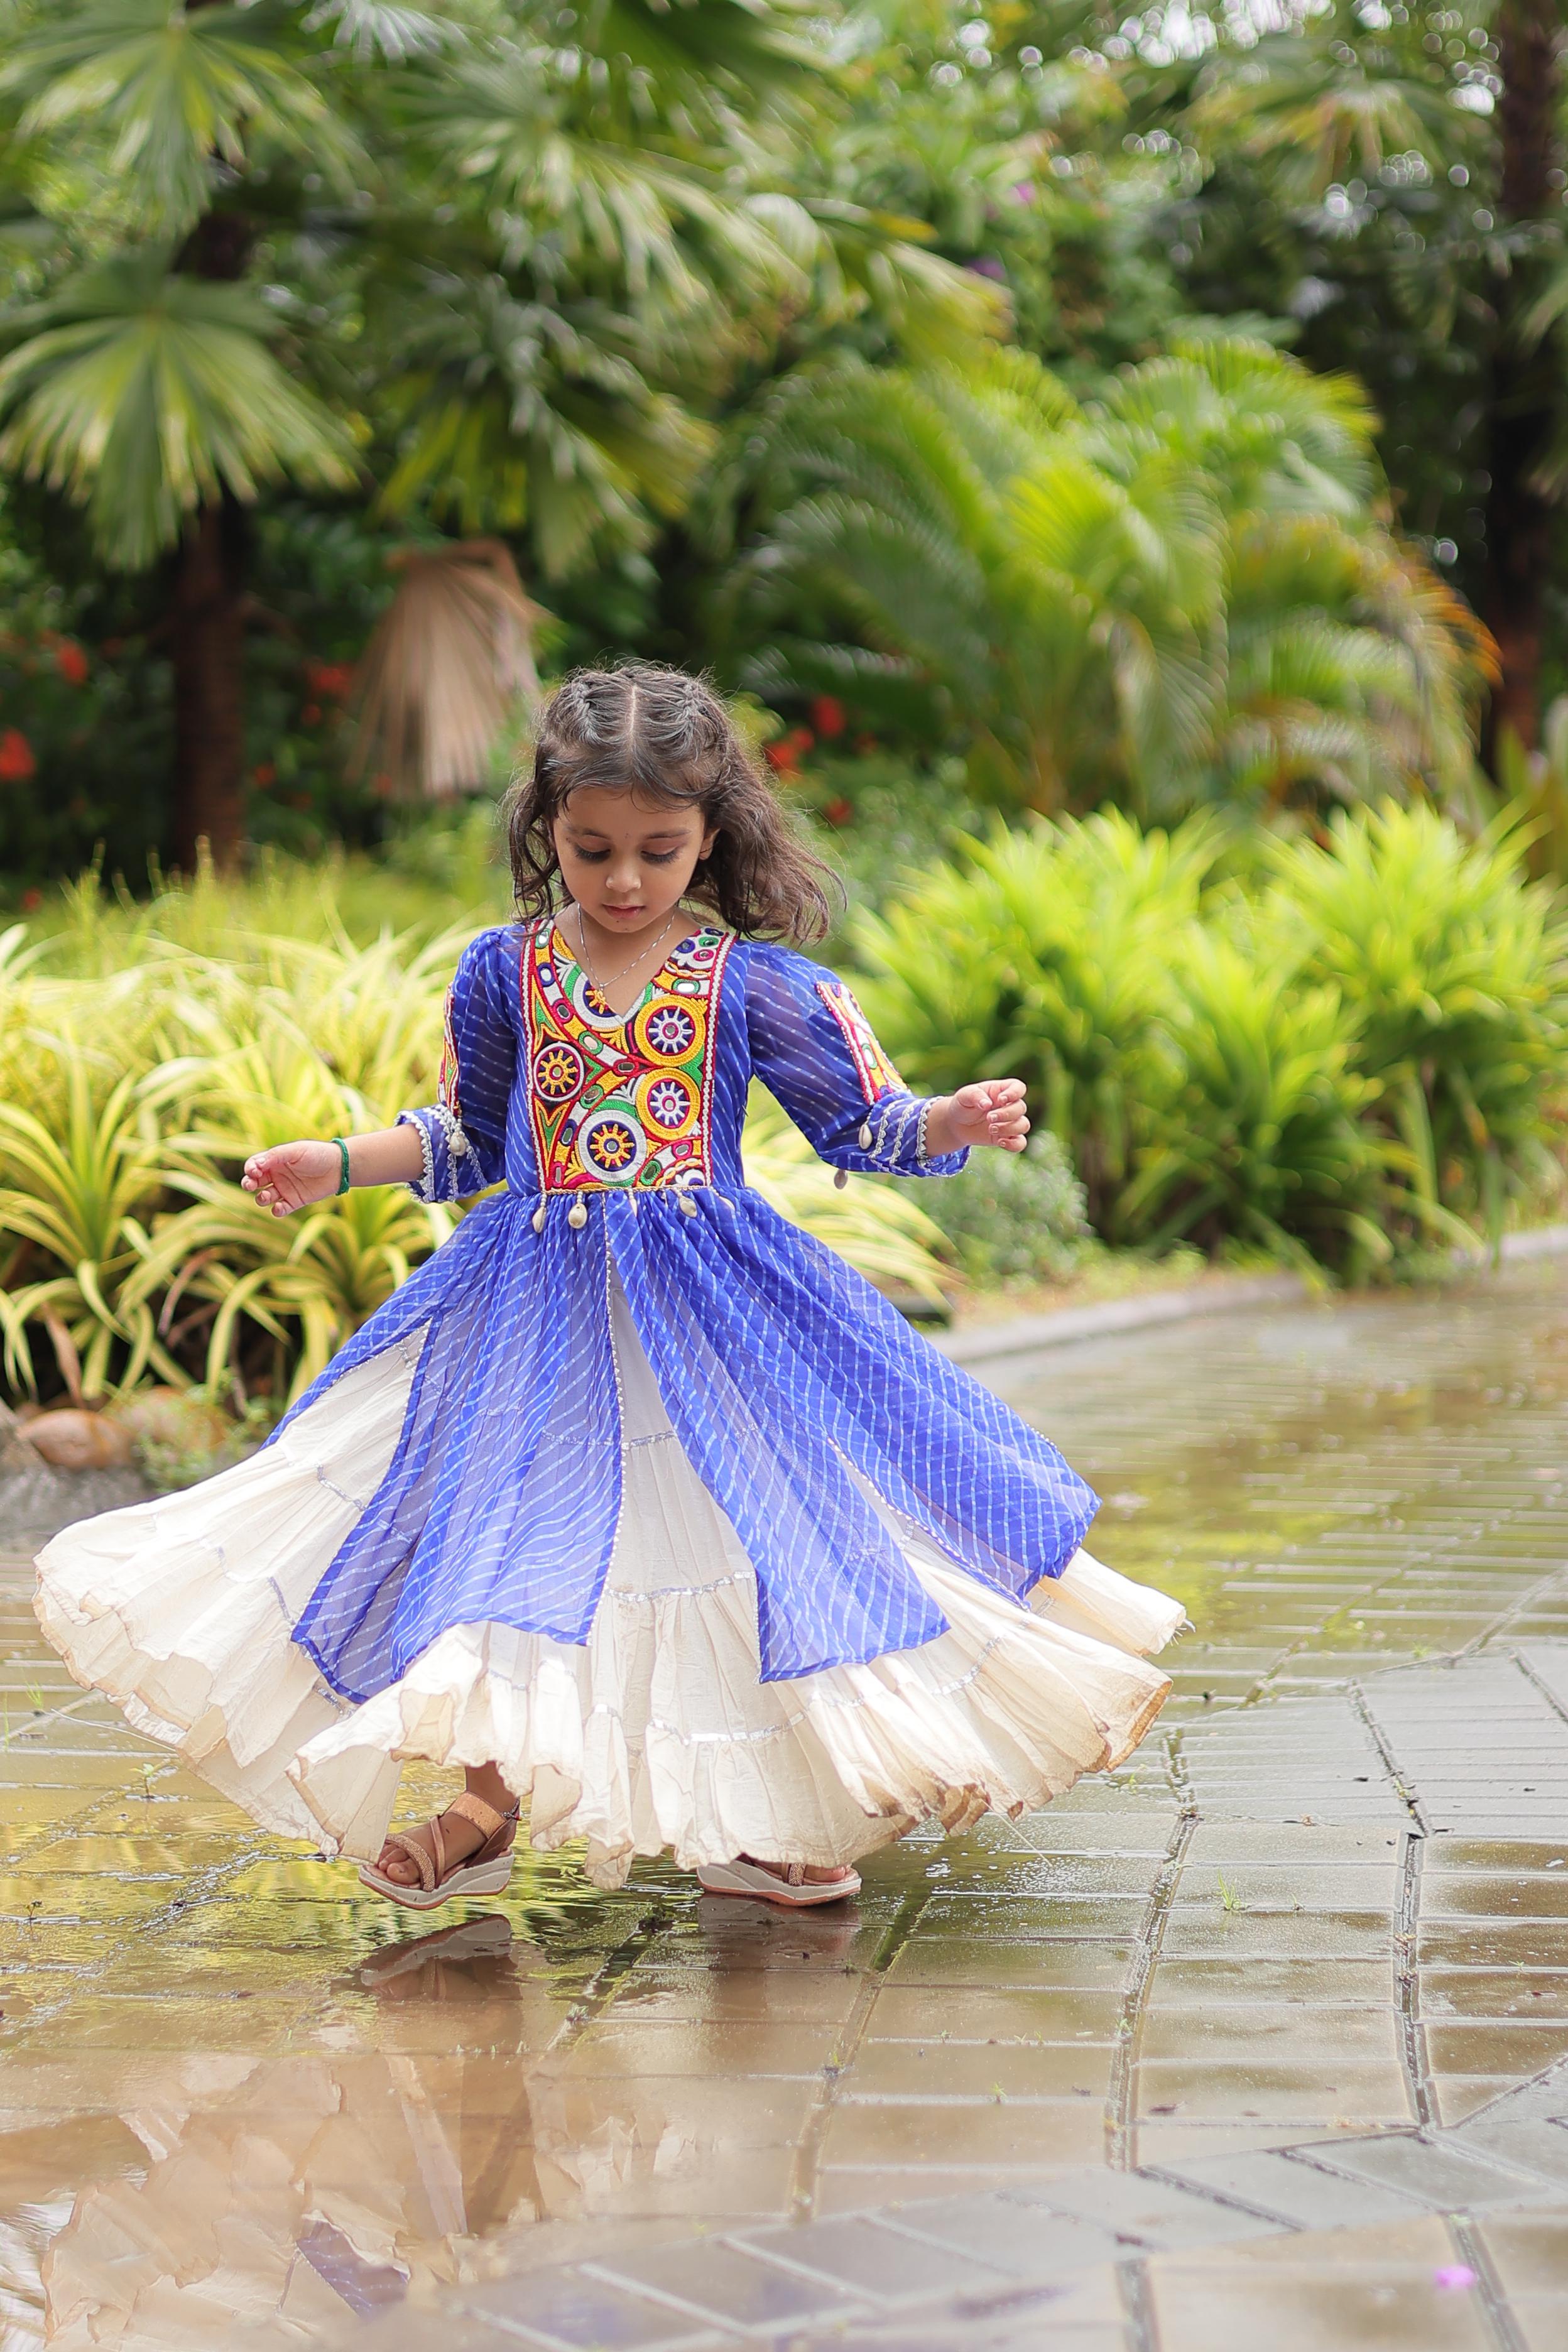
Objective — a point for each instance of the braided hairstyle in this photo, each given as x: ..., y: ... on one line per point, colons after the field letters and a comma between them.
x: 666, y: 735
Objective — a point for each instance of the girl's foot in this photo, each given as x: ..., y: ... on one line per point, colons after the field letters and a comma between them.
x: 793, y: 1885
x: 467, y: 1850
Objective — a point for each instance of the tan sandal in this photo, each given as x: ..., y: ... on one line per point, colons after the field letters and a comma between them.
x: 792, y: 1891
x: 484, y: 1872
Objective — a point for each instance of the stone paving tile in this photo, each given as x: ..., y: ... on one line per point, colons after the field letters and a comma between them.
x: 1326, y: 2237
x: 1310, y: 2293
x: 1236, y: 1952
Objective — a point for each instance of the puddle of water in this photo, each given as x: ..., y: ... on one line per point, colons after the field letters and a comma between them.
x: 1328, y: 1489
x: 240, y: 2102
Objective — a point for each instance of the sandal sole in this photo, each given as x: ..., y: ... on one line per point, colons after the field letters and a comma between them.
x: 486, y: 1878
x: 789, y: 1898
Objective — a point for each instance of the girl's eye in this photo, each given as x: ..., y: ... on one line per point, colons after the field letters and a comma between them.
x: 591, y: 856
x: 661, y: 857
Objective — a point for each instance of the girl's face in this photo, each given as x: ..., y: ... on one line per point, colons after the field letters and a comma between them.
x: 626, y: 860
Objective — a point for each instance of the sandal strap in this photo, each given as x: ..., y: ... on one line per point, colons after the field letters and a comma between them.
x: 415, y: 1853
x: 484, y: 1818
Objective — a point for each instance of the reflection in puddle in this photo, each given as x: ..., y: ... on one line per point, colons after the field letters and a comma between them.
x: 321, y: 2186
x: 324, y: 2186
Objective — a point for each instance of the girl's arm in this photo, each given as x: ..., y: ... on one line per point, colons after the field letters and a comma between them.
x: 812, y: 1048
x: 293, y: 1175
x: 447, y: 1151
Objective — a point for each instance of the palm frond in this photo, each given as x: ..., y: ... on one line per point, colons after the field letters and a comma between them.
x: 138, y: 392
x: 176, y: 88
x: 382, y: 28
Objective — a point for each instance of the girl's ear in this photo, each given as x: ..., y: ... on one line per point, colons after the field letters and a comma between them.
x: 708, y: 838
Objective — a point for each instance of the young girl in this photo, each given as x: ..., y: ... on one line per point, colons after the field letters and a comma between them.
x: 634, y: 1501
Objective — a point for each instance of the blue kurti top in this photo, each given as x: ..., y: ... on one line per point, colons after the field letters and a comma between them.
x: 617, y: 1140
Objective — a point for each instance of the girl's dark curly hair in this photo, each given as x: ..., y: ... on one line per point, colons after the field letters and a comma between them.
x: 667, y: 736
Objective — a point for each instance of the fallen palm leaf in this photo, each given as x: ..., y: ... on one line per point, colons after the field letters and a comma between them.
x: 450, y: 662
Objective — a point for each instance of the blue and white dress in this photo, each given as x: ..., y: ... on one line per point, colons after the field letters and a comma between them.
x: 634, y: 1489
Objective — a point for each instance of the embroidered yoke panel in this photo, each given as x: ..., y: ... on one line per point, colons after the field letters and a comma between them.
x: 622, y: 1100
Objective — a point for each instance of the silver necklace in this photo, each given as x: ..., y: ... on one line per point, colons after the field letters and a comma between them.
x: 600, y: 986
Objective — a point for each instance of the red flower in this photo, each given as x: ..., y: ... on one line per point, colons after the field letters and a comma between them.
x: 31, y: 901
x: 329, y: 681
x: 312, y: 714
x: 16, y: 761
x: 264, y: 775
x: 72, y: 662
x: 784, y: 757
x: 827, y: 717
x: 838, y: 812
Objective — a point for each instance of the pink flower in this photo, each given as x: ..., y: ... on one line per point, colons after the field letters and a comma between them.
x: 1454, y: 2277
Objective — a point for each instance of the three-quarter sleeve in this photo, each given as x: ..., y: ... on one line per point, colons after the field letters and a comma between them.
x: 812, y: 1048
x: 463, y: 1133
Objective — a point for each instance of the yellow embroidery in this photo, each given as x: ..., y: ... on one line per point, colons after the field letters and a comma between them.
x: 615, y: 1100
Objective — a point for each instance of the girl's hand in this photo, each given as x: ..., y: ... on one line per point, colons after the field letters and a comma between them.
x: 292, y: 1175
x: 992, y: 1111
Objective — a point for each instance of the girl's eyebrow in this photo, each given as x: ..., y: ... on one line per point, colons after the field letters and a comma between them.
x: 590, y: 833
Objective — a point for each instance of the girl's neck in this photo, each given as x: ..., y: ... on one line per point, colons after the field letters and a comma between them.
x: 618, y: 965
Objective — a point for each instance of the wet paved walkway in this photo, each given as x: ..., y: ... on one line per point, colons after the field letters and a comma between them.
x: 1260, y: 2034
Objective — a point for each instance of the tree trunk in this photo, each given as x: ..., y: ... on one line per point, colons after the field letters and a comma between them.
x: 209, y: 620
x: 208, y: 646
x: 1523, y: 386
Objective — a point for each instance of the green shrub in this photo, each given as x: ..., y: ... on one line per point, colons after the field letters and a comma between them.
x: 1046, y: 956
x: 1010, y: 1219
x: 1254, y: 1131
x: 145, y: 1050
x: 1456, y: 969
x: 1350, y: 1050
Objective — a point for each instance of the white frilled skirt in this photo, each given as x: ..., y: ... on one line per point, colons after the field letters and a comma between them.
x: 657, y: 1734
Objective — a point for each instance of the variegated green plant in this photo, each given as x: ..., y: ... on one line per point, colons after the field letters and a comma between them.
x: 147, y: 1052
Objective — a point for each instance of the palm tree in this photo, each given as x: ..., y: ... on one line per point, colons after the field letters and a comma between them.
x: 247, y: 172
x: 1183, y: 595
x: 153, y: 382
x: 485, y: 269
x: 1441, y: 138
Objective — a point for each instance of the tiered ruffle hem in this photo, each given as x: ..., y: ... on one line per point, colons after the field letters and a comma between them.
x: 658, y: 1735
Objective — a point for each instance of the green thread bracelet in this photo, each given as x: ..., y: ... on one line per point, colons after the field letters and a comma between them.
x: 342, y: 1146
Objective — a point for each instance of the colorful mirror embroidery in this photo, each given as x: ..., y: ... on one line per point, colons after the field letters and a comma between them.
x: 621, y: 1099
x: 875, y: 1071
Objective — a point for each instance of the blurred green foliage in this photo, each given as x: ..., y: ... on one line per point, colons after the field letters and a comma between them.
x: 1348, y: 1059
x: 673, y: 302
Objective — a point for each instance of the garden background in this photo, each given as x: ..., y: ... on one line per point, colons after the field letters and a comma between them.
x: 1115, y: 462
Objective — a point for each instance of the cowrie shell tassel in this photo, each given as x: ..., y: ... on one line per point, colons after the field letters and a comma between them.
x: 865, y: 1136
x: 537, y: 1220
x: 577, y: 1216
x: 688, y: 1205
x: 840, y: 1178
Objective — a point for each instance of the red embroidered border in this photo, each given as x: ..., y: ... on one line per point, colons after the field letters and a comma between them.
x: 875, y: 1071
